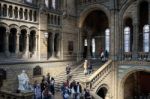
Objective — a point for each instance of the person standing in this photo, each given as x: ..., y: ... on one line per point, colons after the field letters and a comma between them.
x: 85, y: 66
x: 46, y: 94
x: 68, y: 69
x: 37, y: 91
x: 79, y: 90
x: 48, y: 78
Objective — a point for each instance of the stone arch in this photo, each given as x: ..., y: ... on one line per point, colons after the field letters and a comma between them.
x: 104, y: 90
x: 125, y: 7
x: 4, y: 25
x: 91, y: 8
x: 33, y: 29
x: 25, y: 28
x: 14, y: 26
x: 127, y: 74
x: 14, y: 30
x: 32, y: 39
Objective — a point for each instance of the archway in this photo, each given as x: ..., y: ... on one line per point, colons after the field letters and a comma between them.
x: 12, y: 40
x: 49, y: 42
x: 56, y: 44
x: 136, y: 85
x: 2, y: 38
x: 102, y: 92
x: 22, y: 40
x: 32, y: 41
x: 94, y: 27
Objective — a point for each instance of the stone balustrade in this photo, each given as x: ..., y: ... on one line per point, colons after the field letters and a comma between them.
x: 143, y: 63
x: 95, y: 78
x: 127, y: 56
x: 141, y: 56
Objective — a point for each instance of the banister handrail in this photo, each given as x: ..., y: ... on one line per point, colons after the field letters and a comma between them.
x: 98, y: 71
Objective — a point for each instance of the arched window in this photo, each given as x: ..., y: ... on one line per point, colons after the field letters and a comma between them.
x: 85, y: 42
x: 93, y: 45
x: 26, y: 14
x: 21, y: 13
x: 107, y: 41
x: 5, y: 10
x: 146, y: 30
x: 35, y: 16
x: 29, y: 1
x: 10, y: 12
x: 16, y: 12
x: 127, y: 39
x: 47, y: 3
x: 30, y: 15
x: 54, y: 4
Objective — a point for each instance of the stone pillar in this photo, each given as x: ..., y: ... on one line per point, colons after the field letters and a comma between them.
x: 114, y: 49
x: 52, y: 43
x: 17, y: 43
x: 32, y: 15
x: 36, y: 43
x: 7, y: 43
x: 135, y: 35
x: 13, y: 12
x: 1, y: 11
x: 79, y: 45
x: 89, y: 46
x: 135, y: 41
x: 7, y: 11
x: 23, y: 17
x: 27, y: 46
x: 28, y: 15
x: 121, y: 43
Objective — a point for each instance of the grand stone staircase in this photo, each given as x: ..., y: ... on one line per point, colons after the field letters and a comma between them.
x: 77, y: 73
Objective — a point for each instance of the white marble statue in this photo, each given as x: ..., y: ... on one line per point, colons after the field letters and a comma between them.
x: 23, y: 81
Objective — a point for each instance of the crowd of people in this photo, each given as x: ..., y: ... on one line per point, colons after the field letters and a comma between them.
x: 73, y: 90
x: 46, y: 89
x: 69, y: 90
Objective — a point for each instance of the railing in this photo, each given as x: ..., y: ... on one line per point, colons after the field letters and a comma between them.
x: 10, y: 95
x: 98, y: 76
x: 141, y: 56
x: 127, y: 56
x: 143, y: 63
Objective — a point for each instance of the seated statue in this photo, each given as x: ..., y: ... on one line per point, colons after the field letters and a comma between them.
x: 23, y: 81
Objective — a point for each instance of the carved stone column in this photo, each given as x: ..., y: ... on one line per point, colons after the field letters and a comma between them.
x: 7, y: 43
x: 7, y: 15
x: 17, y: 43
x: 35, y: 46
x: 27, y: 46
x: 89, y: 46
x: 53, y: 43
x: 114, y: 37
x: 79, y: 54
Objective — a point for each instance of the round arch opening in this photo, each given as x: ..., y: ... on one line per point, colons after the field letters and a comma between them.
x: 2, y: 38
x: 102, y: 92
x: 95, y: 36
x: 136, y: 85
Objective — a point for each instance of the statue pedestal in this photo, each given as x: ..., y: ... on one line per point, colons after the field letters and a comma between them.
x: 22, y: 95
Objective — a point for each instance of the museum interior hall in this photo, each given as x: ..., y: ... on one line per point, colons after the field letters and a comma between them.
x: 74, y: 49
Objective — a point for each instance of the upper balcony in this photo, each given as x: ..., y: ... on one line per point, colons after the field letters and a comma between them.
x: 17, y: 12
